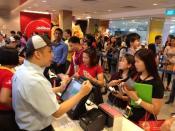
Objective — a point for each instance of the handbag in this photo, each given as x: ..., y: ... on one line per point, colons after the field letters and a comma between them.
x: 150, y: 125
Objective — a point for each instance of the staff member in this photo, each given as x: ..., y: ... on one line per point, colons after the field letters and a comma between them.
x: 77, y: 58
x: 60, y: 50
x: 34, y: 100
x: 8, y: 60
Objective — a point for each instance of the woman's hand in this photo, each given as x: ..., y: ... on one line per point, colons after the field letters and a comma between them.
x: 88, y: 76
x: 64, y: 78
x: 132, y: 94
x: 118, y: 95
x: 76, y: 75
x: 114, y: 82
x: 167, y: 124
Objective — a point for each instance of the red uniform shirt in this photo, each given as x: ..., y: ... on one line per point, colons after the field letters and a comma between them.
x: 93, y: 71
x: 77, y: 61
x: 5, y: 82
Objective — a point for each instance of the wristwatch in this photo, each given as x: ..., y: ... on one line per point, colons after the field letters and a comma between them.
x: 138, y: 102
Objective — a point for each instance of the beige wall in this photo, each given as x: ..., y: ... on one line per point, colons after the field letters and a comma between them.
x: 65, y: 19
x: 10, y: 23
x: 91, y: 25
x: 104, y: 24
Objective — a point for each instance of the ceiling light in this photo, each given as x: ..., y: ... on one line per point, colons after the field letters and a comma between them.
x: 40, y: 12
x: 53, y: 10
x: 172, y: 27
x: 109, y: 10
x: 29, y: 7
x: 88, y: 17
x: 44, y: 1
x: 132, y: 30
x: 172, y: 31
x: 155, y: 4
x: 78, y: 18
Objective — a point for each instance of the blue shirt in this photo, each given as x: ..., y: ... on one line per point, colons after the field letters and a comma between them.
x: 60, y: 51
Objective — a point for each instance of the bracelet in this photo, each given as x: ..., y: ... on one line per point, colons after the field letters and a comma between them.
x: 138, y: 102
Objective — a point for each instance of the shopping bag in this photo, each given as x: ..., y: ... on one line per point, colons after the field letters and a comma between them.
x: 150, y: 125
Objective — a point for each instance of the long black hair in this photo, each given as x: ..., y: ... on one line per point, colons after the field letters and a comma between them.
x: 91, y: 52
x: 132, y: 70
x: 8, y: 56
x: 148, y: 58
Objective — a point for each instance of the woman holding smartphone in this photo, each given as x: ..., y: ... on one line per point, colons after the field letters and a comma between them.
x: 90, y: 68
x: 93, y: 72
x: 146, y: 65
x: 126, y: 71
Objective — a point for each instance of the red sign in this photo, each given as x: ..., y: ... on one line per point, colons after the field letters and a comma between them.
x: 33, y: 22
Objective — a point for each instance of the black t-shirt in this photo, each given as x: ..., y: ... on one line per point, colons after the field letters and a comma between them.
x: 112, y: 98
x: 158, y: 92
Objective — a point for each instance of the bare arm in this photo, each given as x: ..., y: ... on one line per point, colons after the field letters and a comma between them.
x: 67, y: 105
x: 5, y: 96
x: 153, y: 108
x: 99, y: 80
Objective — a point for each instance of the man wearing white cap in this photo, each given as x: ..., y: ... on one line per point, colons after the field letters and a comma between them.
x: 33, y: 98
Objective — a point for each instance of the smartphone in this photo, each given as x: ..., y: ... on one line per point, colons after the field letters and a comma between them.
x: 127, y: 112
x: 85, y: 73
x: 130, y: 83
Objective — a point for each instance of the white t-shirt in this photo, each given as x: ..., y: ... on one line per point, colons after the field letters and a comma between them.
x: 33, y: 100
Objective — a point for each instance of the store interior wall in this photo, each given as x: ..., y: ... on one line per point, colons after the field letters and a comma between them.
x: 9, y: 23
x: 156, y: 28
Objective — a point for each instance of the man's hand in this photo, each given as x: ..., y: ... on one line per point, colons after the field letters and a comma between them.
x: 86, y: 88
x: 64, y: 77
x: 167, y: 124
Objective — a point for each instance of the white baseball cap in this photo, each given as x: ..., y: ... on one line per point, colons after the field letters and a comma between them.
x: 38, y: 41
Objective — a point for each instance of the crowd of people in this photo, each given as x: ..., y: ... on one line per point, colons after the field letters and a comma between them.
x: 28, y: 98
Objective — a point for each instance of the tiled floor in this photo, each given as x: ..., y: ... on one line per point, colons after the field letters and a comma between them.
x: 166, y: 109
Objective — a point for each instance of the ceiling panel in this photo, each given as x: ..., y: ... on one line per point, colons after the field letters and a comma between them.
x: 98, y: 7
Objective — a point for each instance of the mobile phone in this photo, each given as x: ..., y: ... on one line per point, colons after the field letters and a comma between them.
x: 130, y: 83
x: 127, y: 112
x: 85, y: 73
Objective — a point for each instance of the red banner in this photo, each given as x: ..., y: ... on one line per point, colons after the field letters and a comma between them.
x: 33, y: 22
